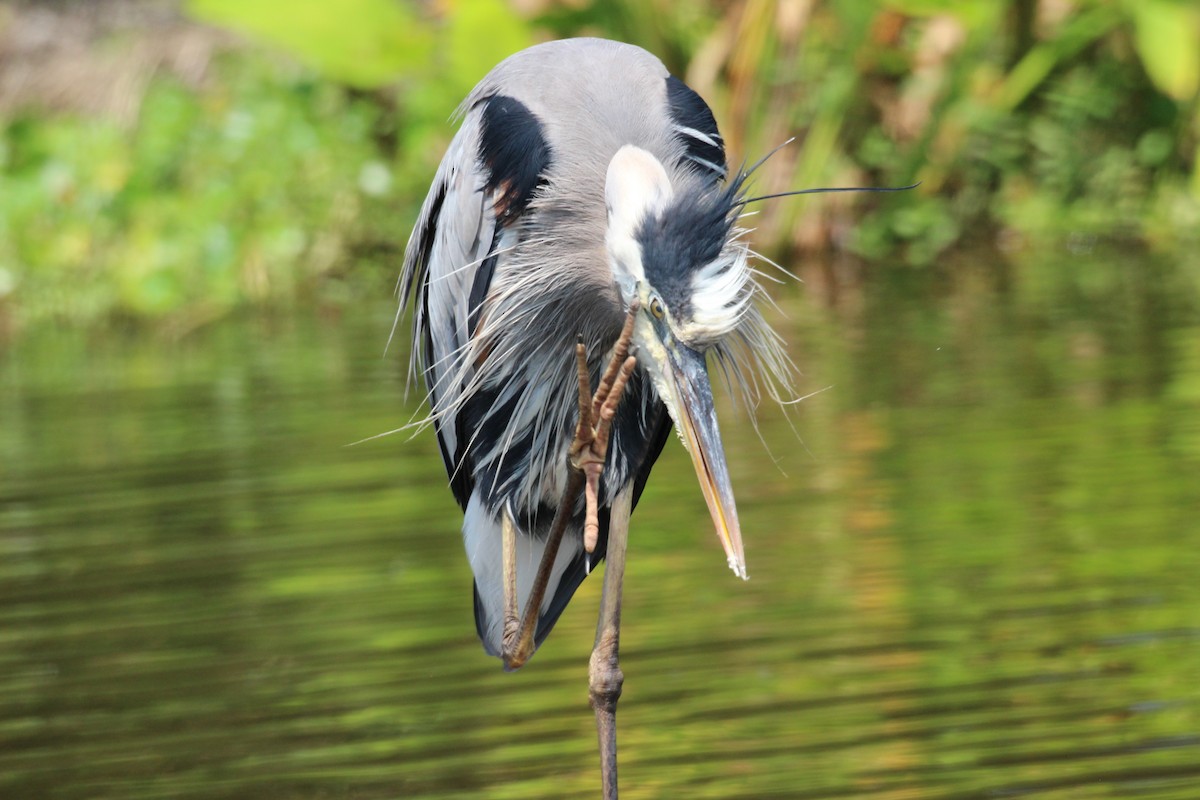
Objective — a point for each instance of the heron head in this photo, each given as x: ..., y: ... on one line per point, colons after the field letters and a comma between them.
x: 671, y: 248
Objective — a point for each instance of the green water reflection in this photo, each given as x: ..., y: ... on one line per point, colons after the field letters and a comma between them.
x: 974, y: 574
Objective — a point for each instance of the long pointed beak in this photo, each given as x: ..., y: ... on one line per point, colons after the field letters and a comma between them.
x: 684, y: 386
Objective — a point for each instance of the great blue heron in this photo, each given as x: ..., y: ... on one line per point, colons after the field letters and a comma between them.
x: 584, y: 208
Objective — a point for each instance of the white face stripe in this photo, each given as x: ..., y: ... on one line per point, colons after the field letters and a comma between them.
x: 721, y: 296
x: 636, y: 187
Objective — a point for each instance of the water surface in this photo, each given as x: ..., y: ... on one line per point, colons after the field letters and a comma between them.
x: 974, y: 566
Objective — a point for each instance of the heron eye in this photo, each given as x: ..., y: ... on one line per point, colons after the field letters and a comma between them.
x: 656, y: 308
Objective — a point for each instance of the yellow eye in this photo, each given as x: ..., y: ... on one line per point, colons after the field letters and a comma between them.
x: 656, y: 308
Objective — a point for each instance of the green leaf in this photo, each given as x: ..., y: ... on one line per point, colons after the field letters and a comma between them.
x: 972, y: 13
x: 1167, y: 37
x: 365, y: 43
x: 1031, y: 71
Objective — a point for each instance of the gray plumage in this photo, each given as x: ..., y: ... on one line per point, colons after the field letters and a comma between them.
x: 515, y: 254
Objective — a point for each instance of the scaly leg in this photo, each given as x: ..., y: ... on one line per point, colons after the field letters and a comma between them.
x: 587, y: 454
x: 512, y: 621
x: 518, y: 643
x: 604, y: 673
x: 590, y: 447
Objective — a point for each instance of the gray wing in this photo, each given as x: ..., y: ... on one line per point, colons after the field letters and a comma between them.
x: 469, y: 229
x: 468, y: 223
x: 447, y: 268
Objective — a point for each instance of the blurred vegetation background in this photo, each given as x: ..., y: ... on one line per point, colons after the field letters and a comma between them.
x: 164, y: 163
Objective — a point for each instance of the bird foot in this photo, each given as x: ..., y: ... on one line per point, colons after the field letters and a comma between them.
x: 596, y: 411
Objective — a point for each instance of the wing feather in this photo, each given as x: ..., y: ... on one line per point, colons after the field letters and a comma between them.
x: 452, y: 239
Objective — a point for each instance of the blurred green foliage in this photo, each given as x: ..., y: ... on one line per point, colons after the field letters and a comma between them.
x: 280, y: 181
x: 361, y: 42
x: 242, y: 193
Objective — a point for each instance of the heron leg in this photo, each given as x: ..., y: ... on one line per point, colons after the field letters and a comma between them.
x: 512, y: 620
x: 596, y: 413
x: 517, y: 643
x: 604, y: 673
x: 586, y: 458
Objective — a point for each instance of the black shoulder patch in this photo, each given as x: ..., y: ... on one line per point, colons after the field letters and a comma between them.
x: 696, y: 127
x: 514, y: 151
